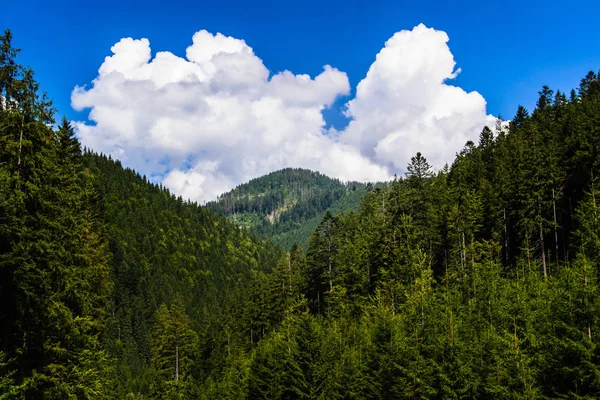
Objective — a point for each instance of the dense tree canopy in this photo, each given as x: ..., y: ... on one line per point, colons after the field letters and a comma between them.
x: 286, y: 206
x: 54, y: 258
x: 477, y: 281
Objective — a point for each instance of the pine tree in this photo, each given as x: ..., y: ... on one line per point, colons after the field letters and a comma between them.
x: 53, y: 257
x: 69, y: 145
x: 174, y: 349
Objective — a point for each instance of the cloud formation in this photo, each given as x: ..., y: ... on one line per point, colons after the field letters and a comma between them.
x: 216, y: 118
x: 405, y: 105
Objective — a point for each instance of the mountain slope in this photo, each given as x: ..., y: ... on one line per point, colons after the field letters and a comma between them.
x: 166, y: 251
x: 479, y: 281
x: 287, y: 205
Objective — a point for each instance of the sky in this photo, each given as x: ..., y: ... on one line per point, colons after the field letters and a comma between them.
x: 202, y: 96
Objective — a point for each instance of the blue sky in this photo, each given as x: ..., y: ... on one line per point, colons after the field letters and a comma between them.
x: 506, y: 51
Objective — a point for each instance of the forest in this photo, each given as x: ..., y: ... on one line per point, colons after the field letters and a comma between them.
x: 286, y: 206
x: 480, y: 280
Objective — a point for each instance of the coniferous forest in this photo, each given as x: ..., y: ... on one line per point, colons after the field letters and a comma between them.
x: 480, y: 280
x: 286, y: 206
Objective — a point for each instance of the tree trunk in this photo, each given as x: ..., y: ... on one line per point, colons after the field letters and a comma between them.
x: 330, y: 270
x: 555, y: 227
x: 505, y: 237
x: 290, y: 270
x: 177, y: 363
x: 464, y: 254
x: 460, y: 254
x: 594, y: 196
x: 20, y: 143
x: 319, y: 298
x: 543, y: 253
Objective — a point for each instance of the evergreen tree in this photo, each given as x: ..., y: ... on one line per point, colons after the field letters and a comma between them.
x: 174, y: 345
x: 53, y: 256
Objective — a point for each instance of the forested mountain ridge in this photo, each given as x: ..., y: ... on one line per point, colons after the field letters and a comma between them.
x: 286, y: 206
x: 103, y: 275
x: 478, y: 281
x: 166, y: 251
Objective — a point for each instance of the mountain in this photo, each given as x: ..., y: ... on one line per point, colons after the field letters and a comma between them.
x: 165, y: 250
x: 104, y: 276
x: 479, y: 281
x: 286, y: 206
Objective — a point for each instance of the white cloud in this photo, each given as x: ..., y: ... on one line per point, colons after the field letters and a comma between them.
x: 216, y: 119
x: 405, y: 105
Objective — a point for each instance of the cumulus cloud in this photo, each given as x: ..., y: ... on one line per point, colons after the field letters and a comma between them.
x: 405, y: 105
x: 216, y: 118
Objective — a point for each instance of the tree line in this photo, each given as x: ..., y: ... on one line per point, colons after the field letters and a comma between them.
x: 286, y: 206
x: 477, y: 281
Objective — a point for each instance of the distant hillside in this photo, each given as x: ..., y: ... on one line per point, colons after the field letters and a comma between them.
x: 162, y: 249
x: 287, y: 205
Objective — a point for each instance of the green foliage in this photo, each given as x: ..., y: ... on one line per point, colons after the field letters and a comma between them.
x: 54, y: 276
x: 286, y: 206
x: 8, y: 388
x: 163, y: 246
x: 174, y: 347
x: 478, y: 281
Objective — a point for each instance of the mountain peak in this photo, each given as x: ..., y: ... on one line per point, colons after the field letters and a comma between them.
x: 286, y: 205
